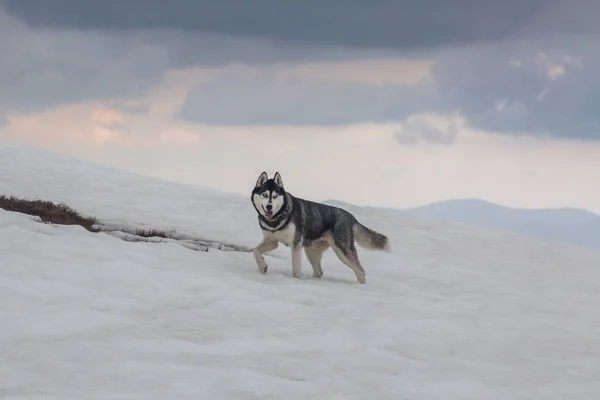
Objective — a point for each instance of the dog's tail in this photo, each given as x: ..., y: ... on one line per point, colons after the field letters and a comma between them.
x: 369, y: 239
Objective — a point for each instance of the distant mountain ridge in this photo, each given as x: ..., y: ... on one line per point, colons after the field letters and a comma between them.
x: 567, y: 224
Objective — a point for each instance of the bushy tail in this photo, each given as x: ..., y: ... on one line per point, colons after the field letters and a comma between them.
x: 369, y: 239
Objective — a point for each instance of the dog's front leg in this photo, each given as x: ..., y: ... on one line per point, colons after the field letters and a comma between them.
x: 297, y: 261
x: 264, y: 247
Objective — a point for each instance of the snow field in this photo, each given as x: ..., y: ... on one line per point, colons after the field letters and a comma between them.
x: 451, y: 313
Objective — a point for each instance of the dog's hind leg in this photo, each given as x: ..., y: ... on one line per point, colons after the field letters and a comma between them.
x: 314, y: 254
x: 348, y: 255
x: 264, y: 247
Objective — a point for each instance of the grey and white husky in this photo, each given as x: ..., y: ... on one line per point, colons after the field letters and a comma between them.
x: 316, y: 227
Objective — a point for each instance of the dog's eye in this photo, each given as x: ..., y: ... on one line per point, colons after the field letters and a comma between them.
x: 265, y: 195
x: 275, y: 196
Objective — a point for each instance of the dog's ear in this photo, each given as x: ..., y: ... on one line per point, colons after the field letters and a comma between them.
x: 277, y: 179
x: 262, y: 179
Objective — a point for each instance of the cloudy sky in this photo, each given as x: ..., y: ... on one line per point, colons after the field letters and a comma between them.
x: 381, y: 102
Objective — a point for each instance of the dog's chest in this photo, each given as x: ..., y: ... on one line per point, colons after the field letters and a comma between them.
x: 285, y: 235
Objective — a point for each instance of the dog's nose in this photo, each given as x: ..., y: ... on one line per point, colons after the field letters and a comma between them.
x: 269, y: 207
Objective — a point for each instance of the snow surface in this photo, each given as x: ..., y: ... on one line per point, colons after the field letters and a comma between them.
x: 451, y: 313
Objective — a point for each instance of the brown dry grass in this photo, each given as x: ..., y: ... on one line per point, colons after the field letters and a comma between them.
x: 47, y: 211
x: 62, y: 214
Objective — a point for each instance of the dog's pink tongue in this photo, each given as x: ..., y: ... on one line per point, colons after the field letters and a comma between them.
x: 269, y: 214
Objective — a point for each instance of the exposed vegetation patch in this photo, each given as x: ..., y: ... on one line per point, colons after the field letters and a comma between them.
x: 147, y: 233
x: 48, y: 211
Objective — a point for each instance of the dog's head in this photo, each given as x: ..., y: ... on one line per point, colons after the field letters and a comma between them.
x: 268, y: 195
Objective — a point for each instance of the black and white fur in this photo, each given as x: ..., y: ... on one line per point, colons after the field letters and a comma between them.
x: 316, y: 227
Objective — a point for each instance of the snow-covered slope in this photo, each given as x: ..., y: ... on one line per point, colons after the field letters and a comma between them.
x: 451, y: 313
x: 565, y: 224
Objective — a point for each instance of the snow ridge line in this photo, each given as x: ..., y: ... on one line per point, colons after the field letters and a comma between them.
x: 132, y: 234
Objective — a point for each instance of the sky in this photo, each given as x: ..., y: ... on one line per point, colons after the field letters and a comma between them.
x: 386, y: 103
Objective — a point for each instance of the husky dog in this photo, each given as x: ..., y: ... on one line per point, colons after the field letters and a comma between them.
x: 299, y: 223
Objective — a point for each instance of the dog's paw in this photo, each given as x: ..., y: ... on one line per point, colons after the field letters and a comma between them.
x: 263, y: 269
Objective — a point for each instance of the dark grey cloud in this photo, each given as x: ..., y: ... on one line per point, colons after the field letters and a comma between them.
x: 519, y: 87
x: 63, y: 51
x: 44, y: 68
x: 550, y: 87
x: 398, y: 24
x: 48, y: 67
